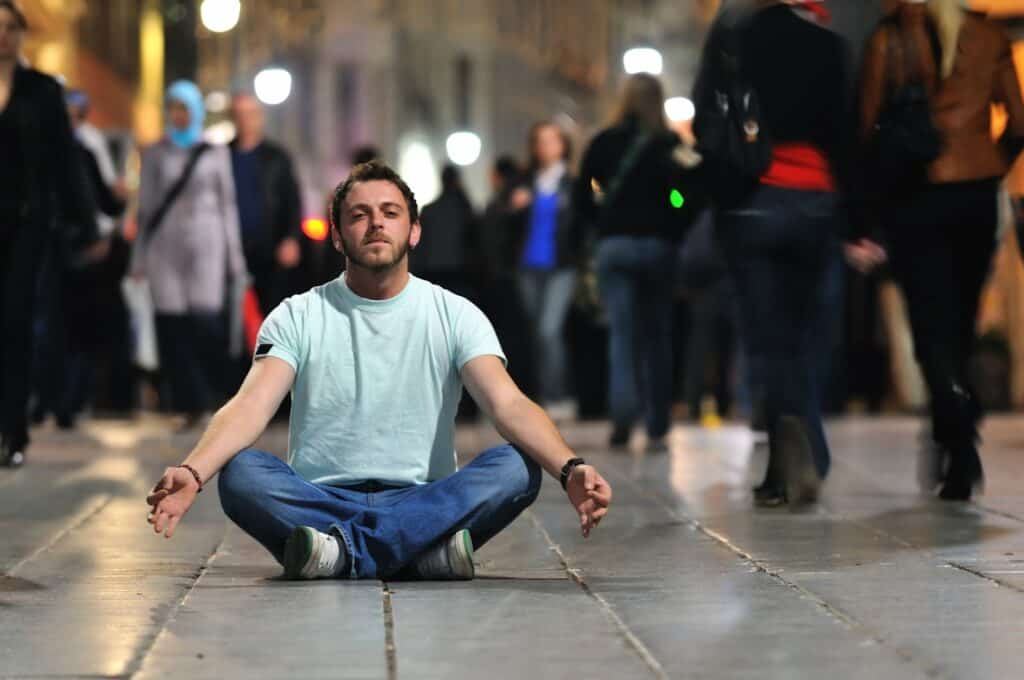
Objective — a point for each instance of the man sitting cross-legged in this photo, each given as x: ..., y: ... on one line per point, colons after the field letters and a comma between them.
x: 375, y: 362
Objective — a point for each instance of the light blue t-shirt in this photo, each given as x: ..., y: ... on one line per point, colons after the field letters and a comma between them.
x: 377, y: 382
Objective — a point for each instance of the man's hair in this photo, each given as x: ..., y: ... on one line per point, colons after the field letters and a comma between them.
x: 19, y: 16
x: 368, y: 172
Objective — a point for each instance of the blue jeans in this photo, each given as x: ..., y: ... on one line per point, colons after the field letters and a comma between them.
x: 778, y: 246
x: 634, y: 276
x: 546, y: 297
x: 383, y: 528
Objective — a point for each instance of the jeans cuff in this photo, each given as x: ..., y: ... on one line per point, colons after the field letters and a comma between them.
x: 337, y: 530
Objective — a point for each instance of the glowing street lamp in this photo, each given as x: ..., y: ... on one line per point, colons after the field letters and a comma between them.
x: 272, y: 85
x: 642, y: 60
x: 463, y: 147
x: 679, y: 109
x: 220, y: 16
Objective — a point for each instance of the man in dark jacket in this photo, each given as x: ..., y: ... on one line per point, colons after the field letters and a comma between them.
x: 41, y: 185
x: 269, y: 207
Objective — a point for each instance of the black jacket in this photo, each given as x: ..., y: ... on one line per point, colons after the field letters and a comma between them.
x: 282, y: 207
x: 55, y: 191
x: 642, y: 206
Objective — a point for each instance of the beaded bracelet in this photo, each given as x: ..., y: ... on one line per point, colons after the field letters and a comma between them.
x: 195, y: 474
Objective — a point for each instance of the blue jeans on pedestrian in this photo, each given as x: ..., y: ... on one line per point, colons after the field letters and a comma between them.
x: 777, y: 245
x: 546, y: 297
x: 383, y: 528
x: 635, y: 279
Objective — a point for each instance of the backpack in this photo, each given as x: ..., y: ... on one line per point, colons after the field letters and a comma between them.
x: 731, y: 136
x: 904, y: 140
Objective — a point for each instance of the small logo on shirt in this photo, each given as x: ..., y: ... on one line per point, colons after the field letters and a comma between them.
x: 264, y: 349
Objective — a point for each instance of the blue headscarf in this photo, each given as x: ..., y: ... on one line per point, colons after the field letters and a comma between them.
x: 187, y: 93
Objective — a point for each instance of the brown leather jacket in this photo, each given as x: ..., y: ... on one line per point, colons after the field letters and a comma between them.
x: 983, y: 74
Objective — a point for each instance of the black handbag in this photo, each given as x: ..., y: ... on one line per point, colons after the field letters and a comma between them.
x: 731, y: 136
x: 905, y: 140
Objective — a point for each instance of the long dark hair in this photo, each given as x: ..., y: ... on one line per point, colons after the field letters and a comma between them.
x: 642, y: 101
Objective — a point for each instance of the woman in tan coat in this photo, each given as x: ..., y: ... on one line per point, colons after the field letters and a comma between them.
x: 941, y: 233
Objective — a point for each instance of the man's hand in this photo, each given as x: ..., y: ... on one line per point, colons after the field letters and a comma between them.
x: 171, y: 498
x: 590, y: 494
x: 865, y: 255
x: 288, y: 253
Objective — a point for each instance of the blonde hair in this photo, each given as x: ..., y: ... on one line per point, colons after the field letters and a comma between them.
x: 949, y: 19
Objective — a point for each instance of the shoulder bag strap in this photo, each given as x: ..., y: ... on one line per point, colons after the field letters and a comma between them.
x: 172, y: 194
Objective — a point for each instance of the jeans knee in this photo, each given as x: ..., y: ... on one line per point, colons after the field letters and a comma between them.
x: 239, y: 480
x: 518, y: 476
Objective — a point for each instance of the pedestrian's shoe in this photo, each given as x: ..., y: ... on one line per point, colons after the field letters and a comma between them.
x: 657, y: 446
x: 619, y: 438
x: 451, y: 560
x: 11, y: 455
x: 802, y: 481
x: 310, y: 554
x: 769, y: 495
x: 965, y: 475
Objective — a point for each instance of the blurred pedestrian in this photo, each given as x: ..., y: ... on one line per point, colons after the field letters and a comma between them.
x: 42, y: 189
x: 548, y: 251
x: 269, y: 207
x: 953, y: 65
x: 631, y: 181
x: 777, y: 77
x: 188, y: 247
x: 85, y: 322
x: 449, y: 226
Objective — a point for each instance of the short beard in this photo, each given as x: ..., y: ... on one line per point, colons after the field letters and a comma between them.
x: 376, y: 267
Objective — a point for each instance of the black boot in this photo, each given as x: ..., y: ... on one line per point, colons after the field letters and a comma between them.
x: 794, y: 447
x: 961, y: 436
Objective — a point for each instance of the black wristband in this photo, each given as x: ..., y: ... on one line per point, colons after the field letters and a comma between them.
x: 567, y: 470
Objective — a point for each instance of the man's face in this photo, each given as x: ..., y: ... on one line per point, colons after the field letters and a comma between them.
x: 374, y: 230
x: 11, y: 35
x: 247, y: 115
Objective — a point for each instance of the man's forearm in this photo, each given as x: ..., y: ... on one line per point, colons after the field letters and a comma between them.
x: 232, y: 428
x: 525, y: 424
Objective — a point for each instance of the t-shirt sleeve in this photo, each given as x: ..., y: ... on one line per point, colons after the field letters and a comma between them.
x: 280, y: 335
x: 474, y: 335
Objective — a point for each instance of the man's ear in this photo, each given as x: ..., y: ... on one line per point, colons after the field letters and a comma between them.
x: 415, y: 233
x: 336, y: 239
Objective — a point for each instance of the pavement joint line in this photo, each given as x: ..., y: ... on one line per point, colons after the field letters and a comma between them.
x: 83, y: 517
x: 576, y: 575
x: 390, y: 649
x: 139, y: 659
x: 831, y: 610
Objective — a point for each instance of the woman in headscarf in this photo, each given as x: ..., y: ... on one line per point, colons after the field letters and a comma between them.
x: 188, y: 246
x: 42, y: 188
x: 941, y: 231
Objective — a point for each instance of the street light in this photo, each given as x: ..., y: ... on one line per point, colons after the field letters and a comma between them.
x: 220, y: 16
x: 463, y: 147
x: 417, y: 168
x: 642, y: 60
x: 679, y: 109
x: 272, y: 85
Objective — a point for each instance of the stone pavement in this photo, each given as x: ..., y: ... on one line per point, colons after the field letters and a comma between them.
x: 682, y: 580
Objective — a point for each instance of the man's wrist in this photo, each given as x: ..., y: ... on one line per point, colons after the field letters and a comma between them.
x: 567, y: 469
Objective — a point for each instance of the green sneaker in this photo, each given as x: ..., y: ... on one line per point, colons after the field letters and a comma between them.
x: 310, y: 554
x: 451, y: 560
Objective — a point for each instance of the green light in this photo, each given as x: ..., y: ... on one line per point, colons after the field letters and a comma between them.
x: 676, y: 199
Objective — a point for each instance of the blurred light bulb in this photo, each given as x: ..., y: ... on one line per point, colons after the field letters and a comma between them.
x: 220, y: 15
x: 463, y: 147
x: 679, y: 109
x: 642, y: 60
x: 272, y: 85
x: 416, y: 166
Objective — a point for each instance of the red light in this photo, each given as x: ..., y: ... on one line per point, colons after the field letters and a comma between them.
x: 314, y: 228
